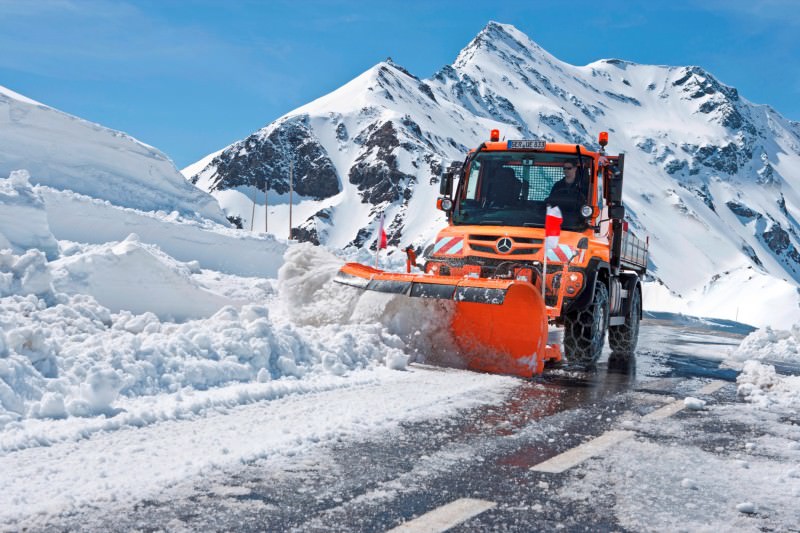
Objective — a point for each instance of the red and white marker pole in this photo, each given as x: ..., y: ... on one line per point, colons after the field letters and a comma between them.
x: 552, y: 231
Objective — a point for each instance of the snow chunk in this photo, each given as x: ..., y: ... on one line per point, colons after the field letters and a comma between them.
x: 97, y: 393
x: 695, y: 404
x: 25, y: 274
x: 23, y: 219
x: 397, y: 361
x: 52, y: 406
x: 746, y: 507
x: 136, y: 277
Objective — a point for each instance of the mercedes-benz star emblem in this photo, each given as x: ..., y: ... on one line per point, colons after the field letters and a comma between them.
x: 504, y: 245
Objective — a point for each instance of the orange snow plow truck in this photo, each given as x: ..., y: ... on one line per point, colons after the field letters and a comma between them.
x: 508, y: 284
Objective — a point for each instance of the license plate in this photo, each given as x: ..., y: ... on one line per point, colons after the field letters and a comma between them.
x: 534, y: 144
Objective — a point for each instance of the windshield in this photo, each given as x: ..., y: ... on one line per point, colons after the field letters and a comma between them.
x: 515, y: 188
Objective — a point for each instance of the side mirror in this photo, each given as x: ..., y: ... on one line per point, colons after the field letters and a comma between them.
x: 446, y: 184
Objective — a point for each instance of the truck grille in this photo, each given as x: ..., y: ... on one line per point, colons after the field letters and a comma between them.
x: 494, y: 238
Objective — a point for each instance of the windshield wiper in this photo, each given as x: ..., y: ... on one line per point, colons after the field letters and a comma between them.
x: 532, y: 225
x: 491, y: 223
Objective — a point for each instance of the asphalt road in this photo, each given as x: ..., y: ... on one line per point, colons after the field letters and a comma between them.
x: 483, y: 464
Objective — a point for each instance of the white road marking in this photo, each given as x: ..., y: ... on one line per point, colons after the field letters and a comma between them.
x: 666, y: 411
x: 570, y: 458
x: 674, y: 407
x: 659, y: 384
x: 576, y: 455
x: 445, y: 517
x: 712, y: 387
x: 647, y: 397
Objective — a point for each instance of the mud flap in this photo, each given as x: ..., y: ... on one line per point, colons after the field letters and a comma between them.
x: 499, y: 326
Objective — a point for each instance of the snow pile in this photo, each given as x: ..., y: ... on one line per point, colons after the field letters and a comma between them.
x: 23, y: 219
x: 769, y: 344
x: 311, y: 298
x: 68, y: 355
x: 760, y: 384
x: 138, y: 278
x: 76, y: 358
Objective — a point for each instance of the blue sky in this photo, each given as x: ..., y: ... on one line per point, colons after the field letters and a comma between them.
x: 190, y: 77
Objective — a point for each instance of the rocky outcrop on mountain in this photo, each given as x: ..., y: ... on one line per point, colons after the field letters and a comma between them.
x: 742, y: 211
x: 375, y: 172
x: 266, y: 157
x: 313, y: 229
x: 780, y: 243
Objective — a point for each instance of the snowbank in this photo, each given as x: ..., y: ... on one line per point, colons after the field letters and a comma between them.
x: 68, y: 153
x: 131, y: 276
x: 743, y: 295
x: 770, y: 345
x: 76, y: 358
x: 760, y: 384
x: 78, y: 218
x: 23, y: 219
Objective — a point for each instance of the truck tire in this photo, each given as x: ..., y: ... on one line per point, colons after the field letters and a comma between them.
x: 623, y: 339
x: 585, y: 330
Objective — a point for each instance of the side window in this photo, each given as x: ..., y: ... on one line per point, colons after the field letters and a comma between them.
x: 472, y: 182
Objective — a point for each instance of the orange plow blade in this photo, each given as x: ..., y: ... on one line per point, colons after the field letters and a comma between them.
x: 499, y: 325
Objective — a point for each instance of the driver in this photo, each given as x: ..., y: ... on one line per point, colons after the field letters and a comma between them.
x: 566, y: 192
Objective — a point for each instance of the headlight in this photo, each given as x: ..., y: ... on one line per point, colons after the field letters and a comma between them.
x: 447, y: 204
x: 587, y: 211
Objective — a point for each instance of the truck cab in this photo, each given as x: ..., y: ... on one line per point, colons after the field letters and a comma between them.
x: 496, y: 229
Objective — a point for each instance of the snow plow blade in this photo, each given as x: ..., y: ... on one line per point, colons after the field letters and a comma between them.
x: 499, y: 325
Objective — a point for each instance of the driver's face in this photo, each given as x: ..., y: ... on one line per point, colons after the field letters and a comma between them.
x: 569, y: 172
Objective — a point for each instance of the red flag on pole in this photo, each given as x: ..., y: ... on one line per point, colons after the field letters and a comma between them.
x: 380, y: 242
x: 552, y: 228
x: 381, y: 235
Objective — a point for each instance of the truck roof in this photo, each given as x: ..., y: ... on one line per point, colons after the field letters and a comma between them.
x: 502, y: 146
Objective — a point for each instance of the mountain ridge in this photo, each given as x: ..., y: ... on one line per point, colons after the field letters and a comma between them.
x: 695, y: 148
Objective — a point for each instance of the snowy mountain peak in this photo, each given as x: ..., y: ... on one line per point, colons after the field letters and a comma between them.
x: 504, y: 42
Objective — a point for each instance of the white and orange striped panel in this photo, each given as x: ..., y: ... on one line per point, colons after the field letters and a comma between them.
x: 449, y: 246
x: 561, y: 253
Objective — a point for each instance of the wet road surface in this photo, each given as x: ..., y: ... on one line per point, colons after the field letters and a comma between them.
x: 488, y: 454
